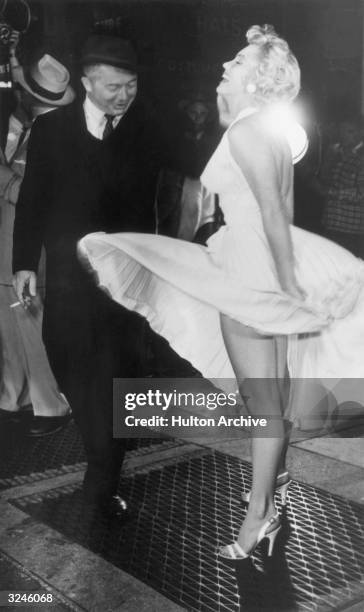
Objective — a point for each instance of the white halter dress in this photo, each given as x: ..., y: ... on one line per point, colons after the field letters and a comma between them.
x: 181, y: 288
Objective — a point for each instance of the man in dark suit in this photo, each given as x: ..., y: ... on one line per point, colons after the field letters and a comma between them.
x: 91, y: 167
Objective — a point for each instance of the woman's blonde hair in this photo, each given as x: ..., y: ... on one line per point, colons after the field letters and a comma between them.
x: 277, y: 75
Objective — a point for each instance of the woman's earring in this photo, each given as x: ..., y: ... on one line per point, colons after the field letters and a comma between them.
x: 251, y: 88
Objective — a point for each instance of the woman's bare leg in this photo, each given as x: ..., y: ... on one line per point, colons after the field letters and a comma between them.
x: 284, y: 386
x: 254, y: 360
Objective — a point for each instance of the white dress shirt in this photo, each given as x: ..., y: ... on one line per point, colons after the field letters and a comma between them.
x: 95, y: 119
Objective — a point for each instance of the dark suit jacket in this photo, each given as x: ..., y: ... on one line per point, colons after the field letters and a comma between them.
x: 75, y: 184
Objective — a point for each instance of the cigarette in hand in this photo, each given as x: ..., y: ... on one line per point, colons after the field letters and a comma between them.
x: 15, y: 304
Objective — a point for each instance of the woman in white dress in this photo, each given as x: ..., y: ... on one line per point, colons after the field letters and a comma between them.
x: 263, y: 298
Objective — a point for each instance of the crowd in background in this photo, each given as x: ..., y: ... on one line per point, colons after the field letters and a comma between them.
x: 329, y: 189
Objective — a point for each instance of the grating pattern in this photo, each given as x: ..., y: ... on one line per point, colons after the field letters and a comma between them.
x: 185, y: 509
x: 24, y: 459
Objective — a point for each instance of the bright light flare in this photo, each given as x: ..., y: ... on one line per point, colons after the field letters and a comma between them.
x: 286, y: 120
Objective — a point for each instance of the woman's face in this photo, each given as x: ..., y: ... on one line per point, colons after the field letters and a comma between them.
x: 236, y: 72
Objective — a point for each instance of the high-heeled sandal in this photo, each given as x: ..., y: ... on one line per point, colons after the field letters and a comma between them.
x: 235, y: 552
x: 282, y: 485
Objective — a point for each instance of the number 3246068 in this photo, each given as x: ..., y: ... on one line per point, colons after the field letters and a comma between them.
x: 30, y: 598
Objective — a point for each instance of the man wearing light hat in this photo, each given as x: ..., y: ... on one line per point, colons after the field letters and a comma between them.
x: 26, y: 377
x: 92, y: 166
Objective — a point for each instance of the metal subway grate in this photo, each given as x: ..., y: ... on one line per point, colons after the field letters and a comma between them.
x: 25, y: 460
x: 185, y: 509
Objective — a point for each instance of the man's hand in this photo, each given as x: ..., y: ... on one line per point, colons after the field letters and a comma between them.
x: 13, y: 40
x: 25, y: 285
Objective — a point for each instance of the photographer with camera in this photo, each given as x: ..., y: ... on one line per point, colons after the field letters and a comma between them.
x: 15, y: 19
x: 6, y: 41
x: 26, y: 377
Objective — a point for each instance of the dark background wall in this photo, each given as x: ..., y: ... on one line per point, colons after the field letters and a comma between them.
x: 182, y: 43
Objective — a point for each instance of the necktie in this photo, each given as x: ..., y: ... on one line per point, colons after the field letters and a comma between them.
x: 108, y: 127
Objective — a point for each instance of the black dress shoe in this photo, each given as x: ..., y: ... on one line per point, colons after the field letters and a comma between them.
x: 116, y: 508
x: 44, y: 426
x: 8, y: 417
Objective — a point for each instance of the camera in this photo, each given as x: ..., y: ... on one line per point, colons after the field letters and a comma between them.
x: 5, y: 74
x: 14, y: 15
x: 5, y: 33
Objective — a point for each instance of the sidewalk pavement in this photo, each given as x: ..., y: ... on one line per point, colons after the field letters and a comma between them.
x: 34, y: 557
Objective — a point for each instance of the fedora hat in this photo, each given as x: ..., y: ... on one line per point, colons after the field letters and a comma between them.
x: 110, y: 50
x: 47, y: 80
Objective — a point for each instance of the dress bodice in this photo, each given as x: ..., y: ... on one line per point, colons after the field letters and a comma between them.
x: 223, y: 175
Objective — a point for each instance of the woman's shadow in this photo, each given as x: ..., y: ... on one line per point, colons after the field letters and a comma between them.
x: 264, y: 583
